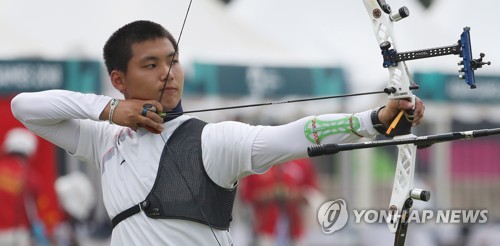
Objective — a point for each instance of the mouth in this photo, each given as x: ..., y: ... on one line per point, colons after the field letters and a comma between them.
x: 168, y: 88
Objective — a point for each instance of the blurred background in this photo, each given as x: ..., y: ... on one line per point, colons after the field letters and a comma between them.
x: 250, y: 51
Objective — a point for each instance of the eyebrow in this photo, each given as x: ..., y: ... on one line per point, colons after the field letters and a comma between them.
x: 155, y: 58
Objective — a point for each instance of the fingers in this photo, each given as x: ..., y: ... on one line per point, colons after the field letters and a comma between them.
x: 149, y: 118
x: 150, y: 114
x: 404, y: 104
x: 149, y: 124
x: 134, y: 113
x: 415, y: 110
x: 419, y: 112
x: 153, y: 106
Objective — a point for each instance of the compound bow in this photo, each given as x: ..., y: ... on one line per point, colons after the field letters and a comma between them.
x: 403, y: 192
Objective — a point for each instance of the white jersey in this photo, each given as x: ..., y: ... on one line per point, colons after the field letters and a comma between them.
x: 128, y: 160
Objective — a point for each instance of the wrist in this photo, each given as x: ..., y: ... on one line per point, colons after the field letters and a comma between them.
x: 377, y: 124
x: 112, y: 106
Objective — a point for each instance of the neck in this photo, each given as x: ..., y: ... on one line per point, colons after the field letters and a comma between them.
x: 174, y: 113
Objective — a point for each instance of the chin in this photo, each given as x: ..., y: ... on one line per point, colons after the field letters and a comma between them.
x: 167, y: 106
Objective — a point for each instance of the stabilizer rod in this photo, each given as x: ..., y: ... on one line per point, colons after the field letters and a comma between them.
x: 421, y: 142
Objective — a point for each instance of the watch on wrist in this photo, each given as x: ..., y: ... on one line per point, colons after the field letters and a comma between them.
x: 376, y: 122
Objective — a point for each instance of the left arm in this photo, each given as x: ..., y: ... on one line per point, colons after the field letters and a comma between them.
x: 278, y: 144
x: 233, y: 150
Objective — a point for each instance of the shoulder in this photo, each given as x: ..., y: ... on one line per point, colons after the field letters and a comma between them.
x: 231, y: 126
x: 231, y: 134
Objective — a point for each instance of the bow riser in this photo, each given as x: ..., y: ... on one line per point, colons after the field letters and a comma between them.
x: 382, y: 20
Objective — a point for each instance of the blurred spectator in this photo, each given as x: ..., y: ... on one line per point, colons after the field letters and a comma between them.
x: 76, y: 194
x: 78, y: 199
x: 277, y: 198
x: 18, y: 190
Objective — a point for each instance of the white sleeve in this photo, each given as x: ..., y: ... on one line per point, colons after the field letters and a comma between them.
x: 55, y: 114
x: 227, y: 151
x: 232, y: 150
x: 278, y: 144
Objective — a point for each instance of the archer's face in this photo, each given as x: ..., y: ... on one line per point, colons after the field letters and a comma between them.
x: 147, y: 70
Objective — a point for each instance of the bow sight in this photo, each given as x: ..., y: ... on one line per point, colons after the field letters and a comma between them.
x: 462, y: 48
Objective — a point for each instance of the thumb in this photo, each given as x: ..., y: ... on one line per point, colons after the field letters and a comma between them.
x: 405, y: 104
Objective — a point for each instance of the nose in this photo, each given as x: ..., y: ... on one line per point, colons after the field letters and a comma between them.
x: 167, y: 75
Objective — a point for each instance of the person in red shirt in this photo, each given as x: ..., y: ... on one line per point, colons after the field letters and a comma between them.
x: 17, y: 187
x: 277, y: 198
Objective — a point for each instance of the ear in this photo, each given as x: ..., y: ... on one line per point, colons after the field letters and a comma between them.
x: 118, y: 80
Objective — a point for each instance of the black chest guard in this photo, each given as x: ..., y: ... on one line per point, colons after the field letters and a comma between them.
x: 182, y: 189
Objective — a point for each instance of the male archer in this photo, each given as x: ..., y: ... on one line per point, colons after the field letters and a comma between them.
x: 172, y: 180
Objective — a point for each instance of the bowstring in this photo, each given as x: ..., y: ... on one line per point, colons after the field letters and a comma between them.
x: 176, y: 53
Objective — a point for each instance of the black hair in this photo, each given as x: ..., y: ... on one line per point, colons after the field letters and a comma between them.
x: 118, y: 49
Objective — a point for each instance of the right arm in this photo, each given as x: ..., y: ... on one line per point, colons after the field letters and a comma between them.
x: 55, y: 114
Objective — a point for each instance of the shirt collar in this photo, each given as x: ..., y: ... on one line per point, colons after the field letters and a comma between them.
x: 174, y: 113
